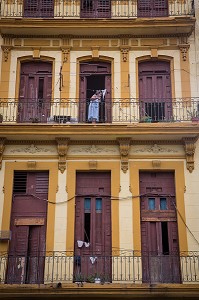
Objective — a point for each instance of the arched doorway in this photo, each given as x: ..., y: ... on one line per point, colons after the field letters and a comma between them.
x: 94, y: 76
x: 155, y: 90
x: 35, y: 92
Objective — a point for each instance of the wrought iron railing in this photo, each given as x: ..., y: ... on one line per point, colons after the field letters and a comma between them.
x: 63, y: 267
x: 75, y: 111
x: 70, y: 9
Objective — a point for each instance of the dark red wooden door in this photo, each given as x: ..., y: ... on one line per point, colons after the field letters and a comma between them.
x: 159, y: 232
x: 155, y: 90
x: 28, y: 225
x: 39, y: 8
x: 152, y: 8
x: 95, y: 8
x: 35, y: 92
x: 95, y: 76
x: 93, y: 226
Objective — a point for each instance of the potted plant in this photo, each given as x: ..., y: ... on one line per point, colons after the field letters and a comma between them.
x: 194, y: 115
x: 146, y: 119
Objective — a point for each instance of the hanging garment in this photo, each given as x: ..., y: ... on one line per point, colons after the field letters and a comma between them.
x: 93, y: 259
x: 80, y: 243
x: 93, y: 110
x: 86, y: 244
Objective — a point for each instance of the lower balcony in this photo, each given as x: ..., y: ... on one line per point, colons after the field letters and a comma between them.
x: 66, y: 267
x: 116, y: 111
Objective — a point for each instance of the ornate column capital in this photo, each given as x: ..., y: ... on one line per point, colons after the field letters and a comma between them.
x: 65, y: 51
x: 62, y: 149
x: 2, y: 147
x: 184, y: 50
x: 189, y: 147
x: 125, y: 53
x: 6, y: 50
x: 124, y: 144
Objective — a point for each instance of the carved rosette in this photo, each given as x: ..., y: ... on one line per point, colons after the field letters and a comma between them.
x: 2, y: 147
x: 189, y: 146
x: 184, y: 50
x: 62, y: 149
x: 124, y: 144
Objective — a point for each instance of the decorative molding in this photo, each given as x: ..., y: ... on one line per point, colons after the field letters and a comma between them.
x: 6, y: 51
x: 31, y: 142
x: 156, y: 164
x: 118, y: 36
x: 62, y: 149
x: 65, y: 52
x: 125, y: 52
x: 158, y: 142
x: 31, y: 165
x: 2, y: 147
x: 93, y: 149
x: 184, y: 50
x: 92, y: 164
x: 155, y: 149
x: 189, y: 147
x: 31, y: 149
x: 124, y: 144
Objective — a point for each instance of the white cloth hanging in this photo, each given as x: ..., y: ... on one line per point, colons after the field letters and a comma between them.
x: 80, y: 243
x: 93, y: 259
x: 86, y: 244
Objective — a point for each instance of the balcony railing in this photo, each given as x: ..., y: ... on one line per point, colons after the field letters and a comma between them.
x: 70, y: 9
x: 63, y: 267
x: 75, y: 111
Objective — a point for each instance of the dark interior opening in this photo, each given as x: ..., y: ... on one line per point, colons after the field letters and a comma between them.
x: 165, y: 238
x: 87, y: 227
x: 96, y: 82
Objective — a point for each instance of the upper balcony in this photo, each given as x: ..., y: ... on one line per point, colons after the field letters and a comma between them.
x: 90, y: 17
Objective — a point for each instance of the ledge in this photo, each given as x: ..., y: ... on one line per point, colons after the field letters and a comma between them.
x: 88, y: 291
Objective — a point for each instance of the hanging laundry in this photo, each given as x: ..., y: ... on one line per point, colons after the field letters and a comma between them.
x: 93, y: 259
x: 80, y: 243
x: 86, y: 244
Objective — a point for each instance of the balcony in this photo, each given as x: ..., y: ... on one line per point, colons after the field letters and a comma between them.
x: 176, y: 15
x: 119, y: 111
x: 65, y: 267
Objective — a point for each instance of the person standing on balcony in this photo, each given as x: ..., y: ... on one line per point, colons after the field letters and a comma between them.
x: 93, y: 109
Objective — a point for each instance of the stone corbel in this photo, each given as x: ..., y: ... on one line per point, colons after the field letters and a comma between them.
x: 62, y: 149
x: 125, y: 54
x: 124, y: 144
x: 184, y: 50
x: 6, y: 51
x: 2, y: 147
x: 189, y: 146
x: 65, y: 52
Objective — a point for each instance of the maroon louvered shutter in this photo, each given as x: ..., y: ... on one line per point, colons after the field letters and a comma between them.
x: 38, y: 8
x: 160, y: 8
x: 103, y: 9
x: 152, y: 8
x: 144, y: 8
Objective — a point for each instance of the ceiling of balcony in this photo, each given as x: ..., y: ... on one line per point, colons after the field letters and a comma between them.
x: 134, y: 27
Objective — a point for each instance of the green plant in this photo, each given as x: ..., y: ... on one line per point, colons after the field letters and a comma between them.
x: 146, y: 119
x: 193, y: 114
x: 78, y: 277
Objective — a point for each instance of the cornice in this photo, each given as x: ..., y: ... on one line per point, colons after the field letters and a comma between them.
x: 103, y: 36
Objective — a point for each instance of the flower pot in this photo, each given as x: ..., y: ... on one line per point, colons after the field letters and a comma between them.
x: 97, y: 280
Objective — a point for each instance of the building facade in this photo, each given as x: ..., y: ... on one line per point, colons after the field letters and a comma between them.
x: 99, y: 101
